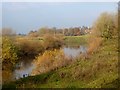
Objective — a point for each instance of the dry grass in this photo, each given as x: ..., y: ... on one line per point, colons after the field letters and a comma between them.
x: 50, y: 60
x: 93, y: 44
x: 6, y: 76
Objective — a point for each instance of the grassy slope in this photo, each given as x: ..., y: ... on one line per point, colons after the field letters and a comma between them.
x: 100, y: 70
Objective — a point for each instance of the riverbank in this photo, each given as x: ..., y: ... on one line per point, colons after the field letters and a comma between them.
x: 29, y: 48
x: 100, y: 70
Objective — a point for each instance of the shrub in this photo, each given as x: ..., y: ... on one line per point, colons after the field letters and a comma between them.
x: 51, y: 41
x: 29, y: 47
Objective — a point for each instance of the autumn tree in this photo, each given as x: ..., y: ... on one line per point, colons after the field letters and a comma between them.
x: 9, y: 52
x: 104, y: 25
x: 9, y: 49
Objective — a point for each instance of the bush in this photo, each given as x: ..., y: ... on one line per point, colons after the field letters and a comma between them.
x: 29, y: 47
x: 51, y: 41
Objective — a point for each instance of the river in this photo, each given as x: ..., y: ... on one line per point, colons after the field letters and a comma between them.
x: 25, y: 66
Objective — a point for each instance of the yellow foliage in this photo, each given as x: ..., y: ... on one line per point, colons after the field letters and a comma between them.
x: 50, y: 60
x: 9, y: 51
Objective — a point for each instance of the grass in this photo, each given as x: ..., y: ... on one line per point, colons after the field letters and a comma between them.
x: 75, y: 40
x: 100, y: 70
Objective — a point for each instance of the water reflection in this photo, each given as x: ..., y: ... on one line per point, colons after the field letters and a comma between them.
x: 23, y: 68
x: 74, y: 51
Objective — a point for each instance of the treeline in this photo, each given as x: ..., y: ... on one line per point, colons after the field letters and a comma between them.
x: 76, y: 31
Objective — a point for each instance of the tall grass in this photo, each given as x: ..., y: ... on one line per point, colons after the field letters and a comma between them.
x: 93, y: 44
x: 50, y: 60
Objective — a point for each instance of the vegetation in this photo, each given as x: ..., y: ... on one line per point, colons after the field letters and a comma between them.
x: 75, y: 40
x: 35, y: 45
x: 9, y: 58
x: 9, y: 51
x: 29, y: 47
x: 73, y: 31
x: 99, y: 71
x: 15, y: 48
x: 51, y: 41
x: 105, y: 25
x: 50, y: 60
x: 8, y: 32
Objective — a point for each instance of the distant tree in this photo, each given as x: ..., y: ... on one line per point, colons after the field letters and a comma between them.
x: 66, y: 32
x: 71, y: 31
x: 76, y: 31
x: 60, y: 31
x: 33, y: 33
x: 8, y: 32
x: 43, y: 31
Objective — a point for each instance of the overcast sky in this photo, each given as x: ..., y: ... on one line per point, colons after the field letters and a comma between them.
x: 23, y: 17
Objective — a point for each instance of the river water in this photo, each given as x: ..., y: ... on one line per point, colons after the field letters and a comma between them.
x: 74, y: 51
x: 25, y: 66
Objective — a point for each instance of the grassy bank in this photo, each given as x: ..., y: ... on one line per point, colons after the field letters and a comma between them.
x: 100, y: 70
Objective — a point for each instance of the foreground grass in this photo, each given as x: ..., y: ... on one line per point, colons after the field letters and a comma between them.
x: 100, y: 70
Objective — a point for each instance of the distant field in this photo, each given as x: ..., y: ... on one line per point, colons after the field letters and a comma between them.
x: 30, y: 38
x: 77, y: 40
x: 67, y: 39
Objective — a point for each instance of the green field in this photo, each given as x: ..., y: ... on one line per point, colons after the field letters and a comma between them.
x: 100, y: 70
x: 76, y: 40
